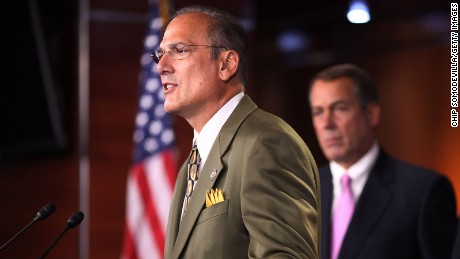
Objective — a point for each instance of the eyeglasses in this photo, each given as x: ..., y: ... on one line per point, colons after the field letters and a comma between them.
x: 178, y: 51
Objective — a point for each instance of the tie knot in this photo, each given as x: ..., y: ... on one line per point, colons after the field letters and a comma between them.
x: 194, y: 144
x: 194, y: 154
x: 345, y: 181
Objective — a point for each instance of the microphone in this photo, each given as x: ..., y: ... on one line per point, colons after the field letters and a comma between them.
x: 42, y: 214
x: 72, y: 222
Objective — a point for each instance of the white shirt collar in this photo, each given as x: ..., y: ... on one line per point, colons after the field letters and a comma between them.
x: 205, y: 139
x: 358, y: 172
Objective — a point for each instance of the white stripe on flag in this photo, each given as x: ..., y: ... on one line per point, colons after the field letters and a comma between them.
x: 160, y: 188
x: 138, y: 225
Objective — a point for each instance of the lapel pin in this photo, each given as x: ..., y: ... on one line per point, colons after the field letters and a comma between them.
x: 213, y: 175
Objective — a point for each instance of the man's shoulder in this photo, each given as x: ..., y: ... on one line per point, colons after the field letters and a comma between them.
x: 400, y: 165
x: 250, y: 115
x: 408, y: 174
x: 261, y: 121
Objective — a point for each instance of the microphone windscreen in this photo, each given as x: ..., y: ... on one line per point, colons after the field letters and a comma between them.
x: 75, y: 219
x: 46, y: 211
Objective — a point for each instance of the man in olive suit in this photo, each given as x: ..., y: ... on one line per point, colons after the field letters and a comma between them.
x: 250, y: 188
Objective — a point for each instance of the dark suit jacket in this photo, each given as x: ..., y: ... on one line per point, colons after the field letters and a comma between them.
x: 271, y: 187
x: 456, y: 250
x: 404, y: 212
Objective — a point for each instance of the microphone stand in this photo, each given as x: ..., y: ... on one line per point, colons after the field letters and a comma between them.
x: 17, y: 234
x: 54, y: 243
x: 72, y: 222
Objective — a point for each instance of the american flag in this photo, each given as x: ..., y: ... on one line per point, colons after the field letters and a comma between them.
x: 153, y: 173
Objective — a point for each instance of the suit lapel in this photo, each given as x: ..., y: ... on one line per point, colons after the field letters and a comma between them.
x: 213, y: 163
x: 373, y: 202
x: 196, y: 204
x: 326, y: 207
x: 176, y: 209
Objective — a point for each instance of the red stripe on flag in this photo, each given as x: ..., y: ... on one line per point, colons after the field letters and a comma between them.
x: 129, y: 251
x: 169, y: 161
x: 149, y: 203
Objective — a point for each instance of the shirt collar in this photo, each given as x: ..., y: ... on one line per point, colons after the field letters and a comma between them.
x: 205, y: 139
x: 359, y: 169
x: 358, y: 172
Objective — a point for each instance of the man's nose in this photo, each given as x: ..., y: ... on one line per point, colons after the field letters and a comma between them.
x: 164, y: 65
x: 328, y: 120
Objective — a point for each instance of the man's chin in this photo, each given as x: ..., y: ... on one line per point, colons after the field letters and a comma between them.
x: 334, y: 155
x: 169, y: 108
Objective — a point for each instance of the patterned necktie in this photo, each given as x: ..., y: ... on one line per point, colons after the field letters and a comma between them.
x: 342, y: 215
x: 192, y: 175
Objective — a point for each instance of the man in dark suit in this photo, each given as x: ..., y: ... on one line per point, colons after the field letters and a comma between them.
x: 456, y: 250
x: 373, y: 205
x: 250, y: 188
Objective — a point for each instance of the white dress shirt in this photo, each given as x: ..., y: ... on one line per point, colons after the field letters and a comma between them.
x: 211, y: 129
x: 358, y: 173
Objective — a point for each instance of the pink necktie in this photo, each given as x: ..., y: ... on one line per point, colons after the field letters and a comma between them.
x: 342, y: 215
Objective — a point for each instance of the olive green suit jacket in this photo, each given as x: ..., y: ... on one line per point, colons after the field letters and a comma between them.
x: 271, y: 189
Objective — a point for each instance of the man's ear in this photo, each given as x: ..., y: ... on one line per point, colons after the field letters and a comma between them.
x: 373, y: 114
x: 229, y: 65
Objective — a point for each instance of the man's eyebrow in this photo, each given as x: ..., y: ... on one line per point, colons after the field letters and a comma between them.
x: 334, y: 103
x: 338, y: 102
x: 172, y: 45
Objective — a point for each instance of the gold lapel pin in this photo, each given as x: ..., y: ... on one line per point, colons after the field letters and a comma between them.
x: 213, y: 175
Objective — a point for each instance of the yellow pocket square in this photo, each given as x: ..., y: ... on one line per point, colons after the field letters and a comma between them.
x: 214, y: 196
